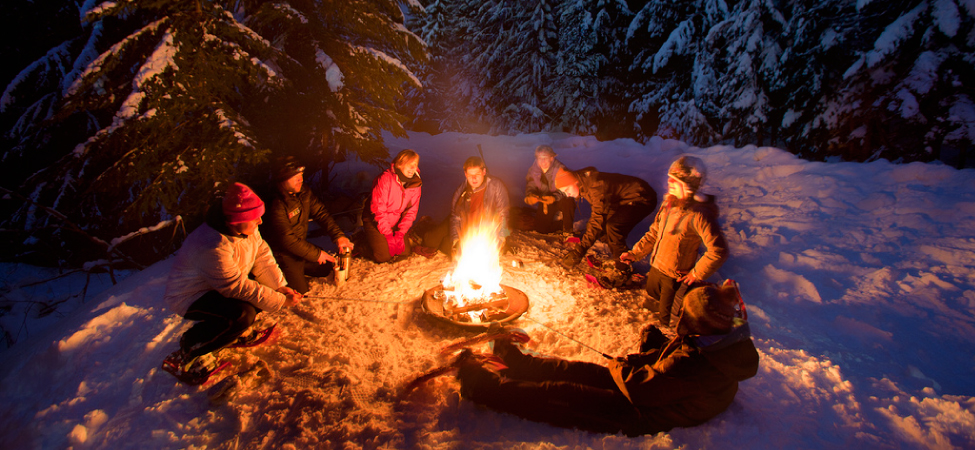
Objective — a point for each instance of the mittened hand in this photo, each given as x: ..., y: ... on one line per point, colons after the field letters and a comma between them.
x: 396, y: 243
x: 531, y: 200
x: 547, y: 199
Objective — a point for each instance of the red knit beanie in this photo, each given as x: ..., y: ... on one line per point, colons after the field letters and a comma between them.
x: 565, y: 178
x: 241, y: 204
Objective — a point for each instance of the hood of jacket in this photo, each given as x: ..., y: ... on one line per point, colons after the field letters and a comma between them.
x: 216, y: 220
x: 733, y: 354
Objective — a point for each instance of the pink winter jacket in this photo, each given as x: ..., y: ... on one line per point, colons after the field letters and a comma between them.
x: 213, y: 261
x: 393, y: 205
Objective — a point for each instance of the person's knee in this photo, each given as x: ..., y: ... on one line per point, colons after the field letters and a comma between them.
x: 245, y: 316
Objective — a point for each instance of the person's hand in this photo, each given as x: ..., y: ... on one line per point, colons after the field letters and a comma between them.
x: 344, y: 244
x: 627, y: 257
x: 324, y: 258
x: 292, y: 297
x: 688, y: 279
x: 397, y: 244
x: 531, y: 200
x: 547, y: 199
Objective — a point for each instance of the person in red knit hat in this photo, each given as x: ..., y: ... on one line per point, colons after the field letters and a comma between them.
x: 223, y: 275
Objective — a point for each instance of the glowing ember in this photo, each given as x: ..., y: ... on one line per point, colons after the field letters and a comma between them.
x: 477, y: 277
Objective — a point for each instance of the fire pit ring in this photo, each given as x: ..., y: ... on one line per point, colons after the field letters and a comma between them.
x: 517, y: 305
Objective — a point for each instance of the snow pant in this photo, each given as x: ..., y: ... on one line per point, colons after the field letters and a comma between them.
x: 219, y: 322
x: 546, y: 218
x: 662, y: 290
x: 376, y: 247
x: 295, y: 270
x: 438, y: 237
x: 619, y: 225
x: 571, y: 394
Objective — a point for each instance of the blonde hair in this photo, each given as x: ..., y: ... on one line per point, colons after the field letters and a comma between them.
x: 405, y: 156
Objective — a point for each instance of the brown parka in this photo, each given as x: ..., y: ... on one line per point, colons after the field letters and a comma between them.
x: 676, y: 235
x: 686, y: 381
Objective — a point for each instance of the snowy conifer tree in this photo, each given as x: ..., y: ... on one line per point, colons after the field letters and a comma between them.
x: 742, y: 54
x: 527, y: 49
x: 819, y: 36
x: 192, y: 94
x: 665, y: 38
x: 909, y: 93
x: 573, y: 96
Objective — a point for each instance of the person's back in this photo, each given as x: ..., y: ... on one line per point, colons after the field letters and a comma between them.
x: 619, y: 202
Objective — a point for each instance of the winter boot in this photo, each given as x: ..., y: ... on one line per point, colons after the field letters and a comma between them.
x: 253, y: 337
x: 192, y: 371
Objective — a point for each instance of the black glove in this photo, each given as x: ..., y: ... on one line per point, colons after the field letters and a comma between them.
x: 571, y: 259
x: 651, y: 338
x: 639, y: 359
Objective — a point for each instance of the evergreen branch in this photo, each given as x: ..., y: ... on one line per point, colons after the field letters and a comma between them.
x: 73, y: 227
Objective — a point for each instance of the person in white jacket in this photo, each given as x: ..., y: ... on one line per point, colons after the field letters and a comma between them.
x: 223, y: 275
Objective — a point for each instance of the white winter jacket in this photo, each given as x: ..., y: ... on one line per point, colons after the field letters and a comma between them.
x: 212, y: 261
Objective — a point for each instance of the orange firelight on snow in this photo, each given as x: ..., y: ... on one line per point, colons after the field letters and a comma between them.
x: 477, y: 276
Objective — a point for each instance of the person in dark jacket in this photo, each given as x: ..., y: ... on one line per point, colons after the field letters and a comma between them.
x: 286, y: 227
x: 680, y: 382
x: 392, y: 208
x: 687, y: 221
x: 556, y: 211
x: 619, y: 202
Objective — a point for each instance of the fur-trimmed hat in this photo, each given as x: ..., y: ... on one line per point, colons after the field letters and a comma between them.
x: 689, y: 170
x: 544, y: 150
x: 565, y: 178
x: 708, y: 310
x: 241, y: 204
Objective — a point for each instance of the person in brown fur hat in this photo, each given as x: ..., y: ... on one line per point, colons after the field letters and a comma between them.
x: 679, y: 382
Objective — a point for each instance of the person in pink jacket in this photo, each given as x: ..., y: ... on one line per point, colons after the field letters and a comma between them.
x: 222, y: 277
x: 392, y: 208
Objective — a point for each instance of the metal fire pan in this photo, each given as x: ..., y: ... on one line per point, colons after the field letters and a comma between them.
x: 517, y: 305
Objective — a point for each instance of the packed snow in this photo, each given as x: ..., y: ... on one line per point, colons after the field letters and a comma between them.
x: 859, y: 281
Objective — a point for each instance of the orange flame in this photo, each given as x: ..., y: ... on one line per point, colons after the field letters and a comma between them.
x: 478, y: 271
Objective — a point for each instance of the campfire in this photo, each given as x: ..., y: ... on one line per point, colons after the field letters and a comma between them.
x: 472, y: 294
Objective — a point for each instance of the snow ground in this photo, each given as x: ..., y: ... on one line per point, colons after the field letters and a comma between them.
x: 859, y: 279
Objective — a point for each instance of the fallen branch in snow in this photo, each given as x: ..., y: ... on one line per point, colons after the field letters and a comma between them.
x: 177, y: 221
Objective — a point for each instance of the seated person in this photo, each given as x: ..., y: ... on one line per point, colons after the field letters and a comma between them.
x: 481, y: 201
x: 556, y: 211
x: 392, y: 208
x: 682, y: 382
x: 286, y: 230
